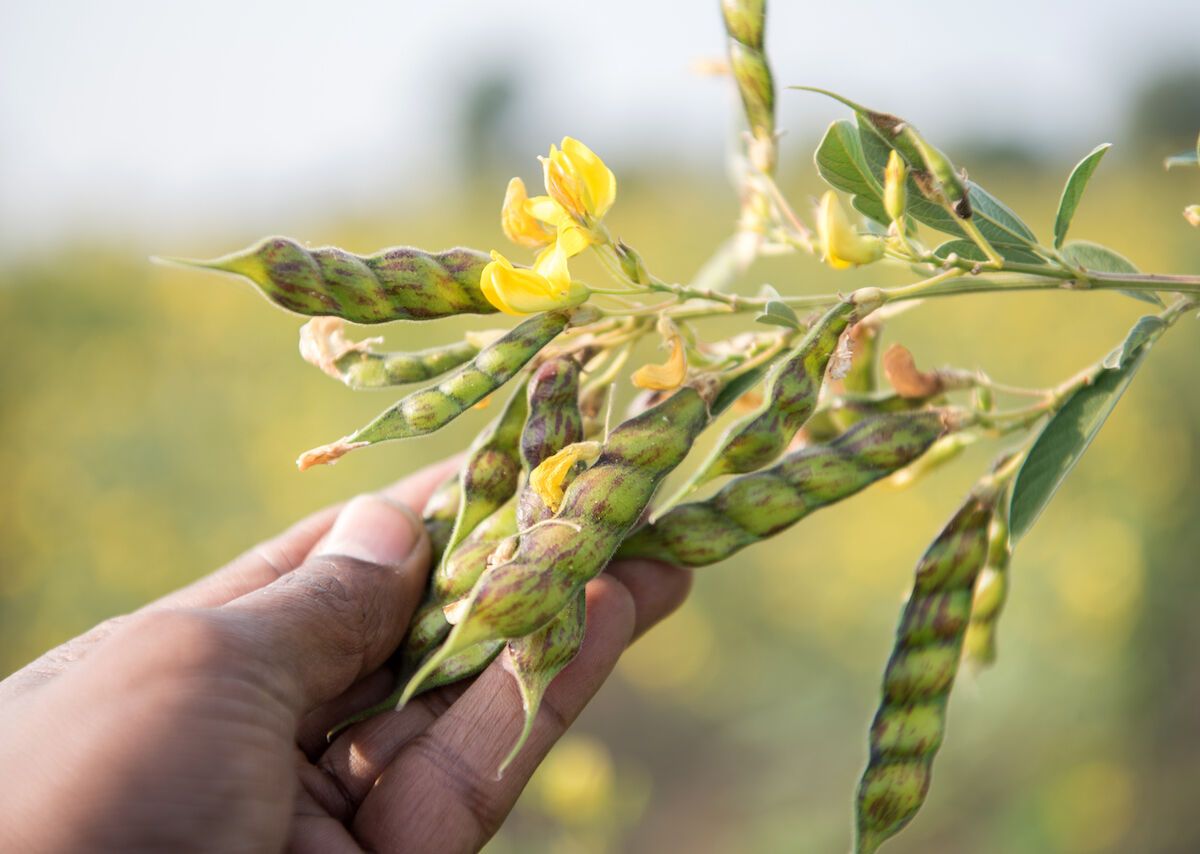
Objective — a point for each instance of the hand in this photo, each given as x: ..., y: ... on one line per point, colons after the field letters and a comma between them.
x: 199, y: 721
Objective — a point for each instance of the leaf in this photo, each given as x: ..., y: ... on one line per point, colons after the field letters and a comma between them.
x: 778, y: 313
x: 1071, y: 430
x: 1100, y: 259
x: 1073, y: 191
x: 1003, y: 228
x: 1146, y: 329
x: 967, y: 250
x: 842, y: 163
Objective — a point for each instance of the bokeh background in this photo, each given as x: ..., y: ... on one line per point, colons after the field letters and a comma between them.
x: 150, y: 417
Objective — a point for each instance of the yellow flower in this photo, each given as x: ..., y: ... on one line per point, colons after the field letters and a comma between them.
x: 843, y: 246
x: 668, y: 375
x: 520, y: 292
x: 547, y: 479
x: 579, y: 181
x: 1192, y: 214
x: 519, y: 225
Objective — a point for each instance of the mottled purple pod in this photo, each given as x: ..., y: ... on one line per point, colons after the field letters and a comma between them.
x: 558, y: 557
x: 554, y: 421
x: 753, y: 507
x: 536, y: 659
x: 457, y: 574
x: 911, y: 720
x: 432, y: 408
x: 395, y: 284
x: 492, y: 469
x: 791, y: 395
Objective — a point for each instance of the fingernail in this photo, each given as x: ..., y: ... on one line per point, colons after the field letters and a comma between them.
x: 373, y: 529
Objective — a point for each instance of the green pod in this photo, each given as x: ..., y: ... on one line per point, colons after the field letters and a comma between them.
x: 790, y: 398
x: 363, y: 370
x: 991, y: 592
x: 756, y: 506
x: 536, y: 659
x: 863, y: 376
x: 909, y: 726
x: 457, y: 574
x: 395, y: 284
x: 432, y: 408
x: 557, y: 558
x: 440, y: 512
x: 470, y: 662
x: 745, y: 23
x: 554, y: 422
x: 492, y: 469
x: 426, y: 630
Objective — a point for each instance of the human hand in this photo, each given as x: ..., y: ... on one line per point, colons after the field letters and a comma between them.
x: 199, y: 721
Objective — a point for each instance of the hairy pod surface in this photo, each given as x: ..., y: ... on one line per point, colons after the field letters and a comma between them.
x: 470, y: 662
x: 492, y: 469
x: 395, y: 284
x: 790, y: 399
x: 756, y: 506
x: 432, y: 408
x: 557, y: 557
x: 537, y: 658
x: 911, y: 720
x: 554, y: 422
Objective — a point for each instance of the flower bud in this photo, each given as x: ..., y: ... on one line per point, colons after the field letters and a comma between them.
x: 895, y: 192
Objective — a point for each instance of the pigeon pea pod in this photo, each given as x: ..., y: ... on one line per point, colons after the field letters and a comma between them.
x: 536, y: 659
x: 323, y: 342
x: 556, y: 558
x: 432, y: 408
x: 910, y: 723
x: 440, y: 512
x: 462, y: 567
x: 791, y: 395
x: 991, y: 592
x: 554, y: 422
x: 753, y: 507
x: 395, y: 284
x: 492, y: 469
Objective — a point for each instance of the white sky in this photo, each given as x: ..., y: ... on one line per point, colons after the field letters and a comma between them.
x: 147, y: 116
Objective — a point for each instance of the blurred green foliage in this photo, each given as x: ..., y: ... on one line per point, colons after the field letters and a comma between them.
x: 151, y: 418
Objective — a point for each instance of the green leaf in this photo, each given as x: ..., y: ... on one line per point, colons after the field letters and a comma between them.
x: 1071, y: 430
x: 967, y: 250
x: 1100, y: 259
x: 843, y: 165
x: 1003, y: 228
x: 777, y: 313
x: 1073, y: 191
x: 1146, y: 329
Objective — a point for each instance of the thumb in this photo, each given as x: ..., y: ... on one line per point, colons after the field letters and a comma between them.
x: 341, y: 613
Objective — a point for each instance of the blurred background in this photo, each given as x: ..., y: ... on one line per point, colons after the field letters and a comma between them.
x: 151, y: 416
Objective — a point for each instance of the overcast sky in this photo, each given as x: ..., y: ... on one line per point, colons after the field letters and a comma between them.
x: 142, y: 116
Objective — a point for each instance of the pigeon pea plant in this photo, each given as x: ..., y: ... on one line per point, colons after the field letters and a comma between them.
x: 551, y: 490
